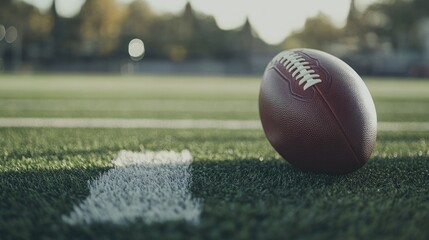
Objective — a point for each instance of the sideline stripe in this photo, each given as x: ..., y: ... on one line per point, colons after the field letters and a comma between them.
x: 173, y: 123
x: 151, y: 186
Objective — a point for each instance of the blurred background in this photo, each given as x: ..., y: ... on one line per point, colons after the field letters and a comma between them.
x: 377, y: 38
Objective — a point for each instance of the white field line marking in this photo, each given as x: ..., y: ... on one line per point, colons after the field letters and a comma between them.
x: 177, y: 105
x: 129, y: 123
x: 403, y: 126
x: 173, y: 123
x: 151, y: 186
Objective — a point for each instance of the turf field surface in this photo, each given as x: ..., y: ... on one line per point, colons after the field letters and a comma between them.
x: 245, y: 188
x: 182, y: 97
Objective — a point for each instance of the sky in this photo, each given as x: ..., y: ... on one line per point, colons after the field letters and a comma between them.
x: 273, y: 20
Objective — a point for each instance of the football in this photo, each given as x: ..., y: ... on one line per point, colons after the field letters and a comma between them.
x: 317, y: 112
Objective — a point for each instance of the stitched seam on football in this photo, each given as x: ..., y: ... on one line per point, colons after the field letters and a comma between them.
x: 339, y: 124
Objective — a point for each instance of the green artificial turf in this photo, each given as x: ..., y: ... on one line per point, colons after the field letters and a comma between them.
x: 246, y: 189
x: 182, y: 97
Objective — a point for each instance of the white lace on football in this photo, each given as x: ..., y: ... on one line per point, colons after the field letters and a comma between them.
x: 299, y: 68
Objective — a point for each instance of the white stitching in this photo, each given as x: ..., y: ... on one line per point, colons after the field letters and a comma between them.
x: 299, y: 68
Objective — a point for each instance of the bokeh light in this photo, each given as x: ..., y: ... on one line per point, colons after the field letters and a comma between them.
x: 11, y: 34
x: 136, y: 49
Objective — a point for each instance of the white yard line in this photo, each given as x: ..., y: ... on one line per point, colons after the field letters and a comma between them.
x: 403, y: 126
x: 129, y: 123
x: 172, y: 123
x: 151, y: 186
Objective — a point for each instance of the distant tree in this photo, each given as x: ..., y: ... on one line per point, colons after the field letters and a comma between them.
x: 138, y: 19
x: 189, y: 35
x: 29, y: 21
x: 64, y: 45
x: 353, y: 27
x: 396, y: 22
x: 191, y: 30
x: 100, y: 26
x: 137, y: 23
x: 353, y: 33
x: 318, y: 32
x: 33, y: 28
x: 197, y: 36
x: 217, y: 43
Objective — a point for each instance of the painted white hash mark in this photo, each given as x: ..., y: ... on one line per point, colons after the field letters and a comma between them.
x: 151, y: 186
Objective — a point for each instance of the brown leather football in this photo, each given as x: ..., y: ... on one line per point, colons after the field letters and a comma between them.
x: 317, y: 112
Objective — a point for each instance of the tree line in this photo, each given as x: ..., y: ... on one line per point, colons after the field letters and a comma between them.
x: 103, y: 29
x: 398, y: 25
